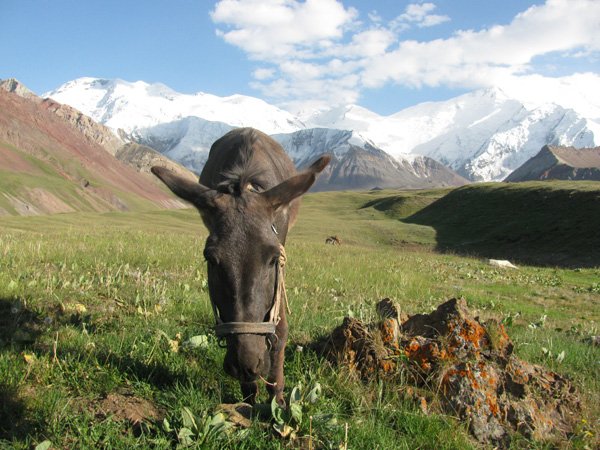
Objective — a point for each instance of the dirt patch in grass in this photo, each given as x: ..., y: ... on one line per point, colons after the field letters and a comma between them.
x: 123, y: 407
x: 466, y: 368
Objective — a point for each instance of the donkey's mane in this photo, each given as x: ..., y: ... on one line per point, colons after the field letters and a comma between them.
x: 246, y: 171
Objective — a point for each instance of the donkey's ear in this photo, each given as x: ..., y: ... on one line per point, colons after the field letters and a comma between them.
x: 200, y: 196
x: 282, y: 194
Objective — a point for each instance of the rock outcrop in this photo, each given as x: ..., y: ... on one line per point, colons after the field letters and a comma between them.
x: 96, y: 133
x: 560, y: 163
x: 15, y: 87
x: 468, y: 367
x: 141, y: 158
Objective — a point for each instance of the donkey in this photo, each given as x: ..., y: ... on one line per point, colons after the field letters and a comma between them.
x: 248, y: 196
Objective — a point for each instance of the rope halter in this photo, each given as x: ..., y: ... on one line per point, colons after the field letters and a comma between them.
x: 223, y: 329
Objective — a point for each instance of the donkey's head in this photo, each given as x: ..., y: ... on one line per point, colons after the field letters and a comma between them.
x: 246, y: 228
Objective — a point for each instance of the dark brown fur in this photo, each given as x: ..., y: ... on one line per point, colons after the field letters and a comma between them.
x: 248, y: 183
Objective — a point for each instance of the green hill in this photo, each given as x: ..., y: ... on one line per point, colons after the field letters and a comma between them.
x: 548, y: 223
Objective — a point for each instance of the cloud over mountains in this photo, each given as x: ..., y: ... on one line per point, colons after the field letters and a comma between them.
x: 320, y: 53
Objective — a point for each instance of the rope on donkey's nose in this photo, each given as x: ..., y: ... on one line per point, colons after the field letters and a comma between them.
x: 223, y: 329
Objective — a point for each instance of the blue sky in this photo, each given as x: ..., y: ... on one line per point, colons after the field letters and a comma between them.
x: 384, y: 55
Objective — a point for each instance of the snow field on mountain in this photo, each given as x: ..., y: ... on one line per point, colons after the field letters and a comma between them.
x: 483, y: 135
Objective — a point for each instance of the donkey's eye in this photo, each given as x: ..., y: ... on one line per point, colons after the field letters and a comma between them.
x: 273, y: 261
x: 210, y: 258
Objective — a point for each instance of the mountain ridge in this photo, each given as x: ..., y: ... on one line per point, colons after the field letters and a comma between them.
x: 483, y: 135
x: 560, y: 163
x: 49, y: 165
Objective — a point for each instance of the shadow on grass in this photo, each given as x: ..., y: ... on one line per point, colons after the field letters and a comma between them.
x: 198, y: 370
x: 19, y: 328
x: 12, y: 414
x: 88, y: 374
x: 546, y: 224
x: 18, y: 324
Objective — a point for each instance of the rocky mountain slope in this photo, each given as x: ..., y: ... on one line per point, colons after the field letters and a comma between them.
x: 560, y: 163
x: 48, y: 165
x: 483, y: 136
x: 141, y: 158
x: 358, y: 165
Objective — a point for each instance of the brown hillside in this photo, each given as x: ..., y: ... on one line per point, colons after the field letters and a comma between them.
x: 43, y: 155
x: 560, y: 163
x: 359, y: 169
x: 141, y: 158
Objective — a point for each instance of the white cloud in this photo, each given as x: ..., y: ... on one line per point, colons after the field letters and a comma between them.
x: 475, y: 59
x: 263, y: 74
x: 272, y: 29
x: 420, y: 14
x: 318, y: 52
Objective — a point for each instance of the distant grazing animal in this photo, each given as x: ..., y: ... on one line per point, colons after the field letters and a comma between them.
x: 248, y: 196
x: 333, y: 240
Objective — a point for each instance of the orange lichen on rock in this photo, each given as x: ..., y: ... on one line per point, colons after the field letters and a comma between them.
x: 470, y: 364
x: 423, y: 351
x: 389, y: 331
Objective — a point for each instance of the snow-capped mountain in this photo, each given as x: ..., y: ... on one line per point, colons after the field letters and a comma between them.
x: 186, y: 141
x: 119, y: 104
x: 305, y: 146
x: 483, y: 135
x: 358, y: 164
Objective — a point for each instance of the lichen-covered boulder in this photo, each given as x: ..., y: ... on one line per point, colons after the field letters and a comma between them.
x: 469, y: 365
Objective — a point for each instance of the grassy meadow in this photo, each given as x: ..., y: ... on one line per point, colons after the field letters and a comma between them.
x: 106, y: 342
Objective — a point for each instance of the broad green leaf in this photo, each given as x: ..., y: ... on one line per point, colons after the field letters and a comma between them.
x: 277, y: 411
x: 283, y: 429
x: 314, y: 393
x: 217, y: 419
x: 295, y: 410
x: 196, y: 341
x: 43, y: 445
x: 294, y: 395
x: 189, y: 421
x: 167, y: 426
x: 220, y: 428
x: 185, y: 436
x: 325, y: 420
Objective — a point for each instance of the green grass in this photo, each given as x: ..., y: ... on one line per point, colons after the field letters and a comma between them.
x: 93, y: 305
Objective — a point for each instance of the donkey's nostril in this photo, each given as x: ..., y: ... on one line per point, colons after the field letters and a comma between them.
x: 259, y: 367
x: 252, y: 373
